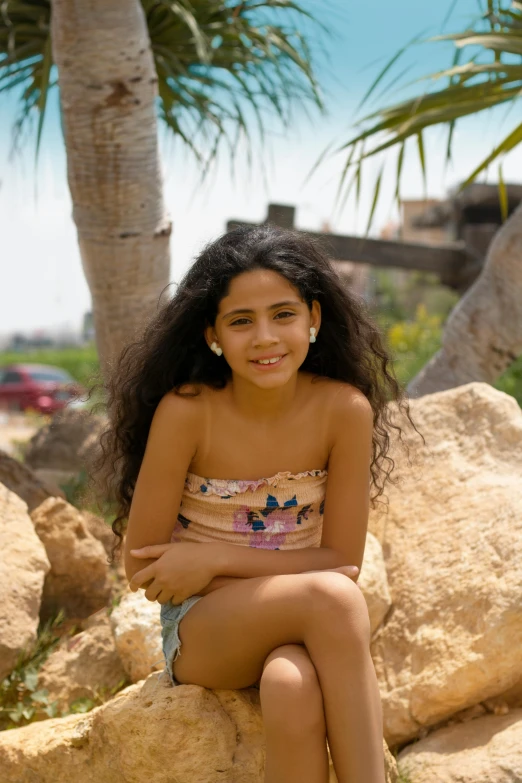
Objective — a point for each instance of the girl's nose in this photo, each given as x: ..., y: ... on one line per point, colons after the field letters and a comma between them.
x: 264, y: 335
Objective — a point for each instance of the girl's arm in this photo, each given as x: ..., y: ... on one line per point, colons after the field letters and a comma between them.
x: 171, y: 444
x: 235, y: 560
x: 229, y: 562
x: 223, y: 581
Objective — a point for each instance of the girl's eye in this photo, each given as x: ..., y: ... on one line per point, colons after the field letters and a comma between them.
x: 235, y: 323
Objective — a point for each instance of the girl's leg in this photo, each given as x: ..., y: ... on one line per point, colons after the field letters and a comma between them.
x: 293, y: 715
x: 351, y: 695
x: 293, y: 718
x: 228, y: 634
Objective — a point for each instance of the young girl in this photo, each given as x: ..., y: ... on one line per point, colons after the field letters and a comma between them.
x: 249, y: 424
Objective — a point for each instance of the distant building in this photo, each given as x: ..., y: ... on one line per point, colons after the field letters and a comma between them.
x: 409, y: 229
x: 472, y: 215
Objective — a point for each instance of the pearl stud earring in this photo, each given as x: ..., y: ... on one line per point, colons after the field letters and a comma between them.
x: 312, y: 334
x: 215, y: 348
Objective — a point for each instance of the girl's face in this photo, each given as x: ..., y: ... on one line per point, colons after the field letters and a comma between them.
x: 254, y: 322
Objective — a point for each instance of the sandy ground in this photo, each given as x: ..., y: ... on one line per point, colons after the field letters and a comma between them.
x: 16, y: 427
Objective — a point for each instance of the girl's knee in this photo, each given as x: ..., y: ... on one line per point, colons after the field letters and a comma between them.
x: 339, y: 605
x: 290, y: 693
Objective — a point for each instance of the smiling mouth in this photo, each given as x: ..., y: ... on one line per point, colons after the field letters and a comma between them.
x: 269, y: 364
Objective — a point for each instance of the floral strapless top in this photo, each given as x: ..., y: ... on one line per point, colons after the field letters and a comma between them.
x: 284, y: 511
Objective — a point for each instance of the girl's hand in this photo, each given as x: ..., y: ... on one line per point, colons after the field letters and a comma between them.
x: 178, y: 573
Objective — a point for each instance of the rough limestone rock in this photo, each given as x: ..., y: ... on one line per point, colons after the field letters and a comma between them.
x: 24, y: 482
x: 78, y: 580
x: 86, y: 665
x: 56, y: 479
x: 68, y: 442
x: 23, y: 566
x: 373, y: 582
x: 148, y: 732
x: 137, y: 630
x: 485, y: 750
x: 100, y: 530
x: 509, y: 699
x: 452, y: 543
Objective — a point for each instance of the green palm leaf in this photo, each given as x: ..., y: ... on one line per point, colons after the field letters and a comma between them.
x: 491, y: 76
x: 219, y: 64
x: 502, y: 193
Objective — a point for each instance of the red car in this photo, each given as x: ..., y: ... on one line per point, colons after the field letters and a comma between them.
x: 39, y: 387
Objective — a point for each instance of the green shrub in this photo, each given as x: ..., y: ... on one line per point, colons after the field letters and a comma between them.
x: 101, y: 695
x: 20, y: 700
x: 511, y: 381
x: 412, y: 343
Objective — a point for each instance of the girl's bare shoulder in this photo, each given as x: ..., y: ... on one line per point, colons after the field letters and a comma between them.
x: 195, y: 392
x: 331, y: 391
x: 334, y: 401
x: 186, y: 400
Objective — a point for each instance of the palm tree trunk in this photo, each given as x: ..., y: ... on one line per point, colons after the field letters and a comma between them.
x: 108, y: 91
x: 483, y: 334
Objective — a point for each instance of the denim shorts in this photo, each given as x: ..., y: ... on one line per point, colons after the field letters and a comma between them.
x: 170, y: 616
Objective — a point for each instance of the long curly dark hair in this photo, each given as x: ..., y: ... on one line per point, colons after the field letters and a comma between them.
x: 171, y: 351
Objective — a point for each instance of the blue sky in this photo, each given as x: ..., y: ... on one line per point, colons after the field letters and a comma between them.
x: 43, y: 285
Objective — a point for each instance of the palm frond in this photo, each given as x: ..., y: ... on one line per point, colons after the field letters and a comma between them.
x: 224, y: 68
x: 491, y: 76
x: 26, y: 60
x: 258, y: 66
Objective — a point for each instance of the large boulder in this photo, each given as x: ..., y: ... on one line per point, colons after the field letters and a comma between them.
x: 137, y: 631
x: 484, y: 750
x: 442, y: 577
x: 57, y: 480
x: 23, y: 567
x: 452, y: 543
x: 67, y: 443
x: 84, y: 666
x: 100, y: 530
x: 79, y: 579
x: 24, y: 482
x: 149, y: 732
x: 373, y: 582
